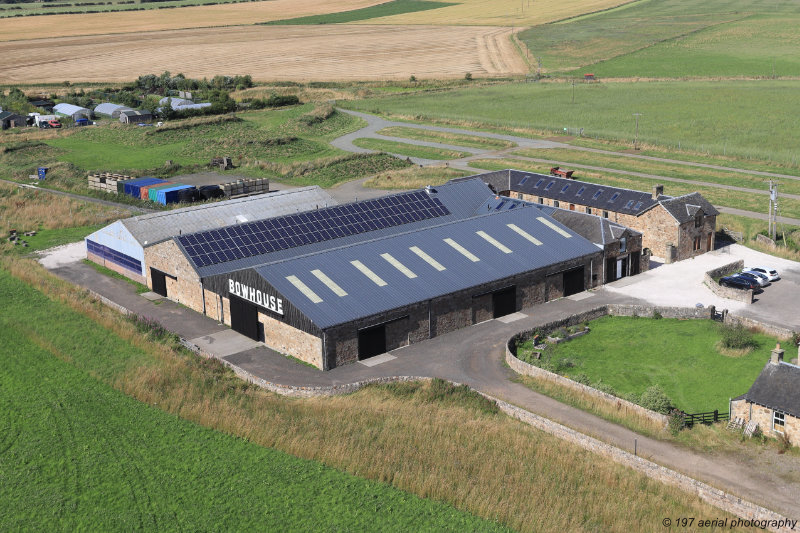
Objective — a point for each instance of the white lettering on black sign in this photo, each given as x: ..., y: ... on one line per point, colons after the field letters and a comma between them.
x: 257, y: 297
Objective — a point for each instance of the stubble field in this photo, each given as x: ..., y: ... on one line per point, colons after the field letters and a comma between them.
x: 326, y: 52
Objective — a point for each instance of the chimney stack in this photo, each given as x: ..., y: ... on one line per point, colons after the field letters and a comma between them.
x: 658, y: 190
x: 777, y: 355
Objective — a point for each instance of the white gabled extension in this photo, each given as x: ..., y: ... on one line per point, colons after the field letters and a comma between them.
x: 494, y: 242
x: 332, y: 285
x: 369, y: 273
x: 463, y: 251
x: 399, y: 266
x: 525, y: 234
x: 305, y: 289
x: 428, y: 259
x: 553, y: 227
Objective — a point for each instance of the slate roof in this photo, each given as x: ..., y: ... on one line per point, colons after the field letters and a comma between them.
x: 685, y: 207
x: 157, y: 227
x: 777, y: 387
x: 596, y: 229
x: 463, y: 200
x: 398, y: 274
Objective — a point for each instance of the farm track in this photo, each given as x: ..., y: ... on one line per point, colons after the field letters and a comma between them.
x: 375, y: 123
x: 295, y: 53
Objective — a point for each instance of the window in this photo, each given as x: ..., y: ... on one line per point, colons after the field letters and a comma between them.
x: 597, y: 194
x: 623, y: 245
x: 614, y: 197
x: 523, y: 180
x: 541, y: 200
x: 564, y: 188
x: 629, y: 204
x: 549, y: 185
x: 696, y: 245
x: 519, y: 196
x: 698, y: 220
x: 637, y: 206
x: 605, y: 214
x: 588, y: 210
x: 580, y: 191
x: 555, y: 203
x: 778, y: 421
x: 538, y: 183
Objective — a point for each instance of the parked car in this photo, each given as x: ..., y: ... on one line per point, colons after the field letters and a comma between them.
x: 738, y: 282
x: 771, y: 273
x: 759, y: 278
x: 53, y: 123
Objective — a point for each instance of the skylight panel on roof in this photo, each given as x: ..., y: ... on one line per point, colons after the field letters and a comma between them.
x: 399, y: 266
x: 614, y: 197
x: 494, y: 242
x: 523, y: 180
x: 463, y: 251
x: 428, y: 259
x: 580, y: 191
x: 525, y: 234
x: 538, y: 183
x: 629, y: 204
x: 553, y: 227
x: 637, y: 206
x: 549, y: 185
x: 369, y: 273
x: 305, y: 289
x: 332, y: 285
x: 597, y: 194
x: 564, y: 188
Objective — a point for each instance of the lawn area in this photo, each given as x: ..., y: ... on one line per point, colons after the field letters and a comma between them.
x: 470, y: 141
x: 673, y: 38
x: 631, y: 354
x: 78, y: 454
x: 409, y: 150
x: 721, y: 117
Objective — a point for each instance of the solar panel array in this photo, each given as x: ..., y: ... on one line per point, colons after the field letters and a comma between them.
x: 281, y: 233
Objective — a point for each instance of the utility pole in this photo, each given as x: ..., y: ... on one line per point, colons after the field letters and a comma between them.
x: 773, y: 210
x: 636, y: 138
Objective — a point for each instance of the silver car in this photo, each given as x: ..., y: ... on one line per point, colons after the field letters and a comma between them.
x: 771, y: 273
x: 759, y: 278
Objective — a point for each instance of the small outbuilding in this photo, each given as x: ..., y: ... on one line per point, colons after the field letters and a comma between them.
x: 73, y: 111
x: 12, y: 120
x: 133, y: 116
x: 773, y: 402
x: 110, y: 110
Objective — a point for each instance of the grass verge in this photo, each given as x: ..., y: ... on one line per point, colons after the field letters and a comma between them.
x: 414, y: 177
x: 458, y: 139
x: 140, y: 289
x: 409, y: 150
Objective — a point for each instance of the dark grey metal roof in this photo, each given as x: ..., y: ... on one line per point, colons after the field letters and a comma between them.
x: 157, y: 227
x: 777, y: 387
x: 596, y: 229
x: 362, y: 279
x: 684, y: 208
x: 463, y: 199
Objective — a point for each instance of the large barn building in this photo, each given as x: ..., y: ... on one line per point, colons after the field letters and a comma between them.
x: 121, y: 246
x: 673, y: 228
x: 334, y: 285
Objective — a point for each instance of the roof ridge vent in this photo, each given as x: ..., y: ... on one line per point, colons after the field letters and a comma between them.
x: 430, y: 190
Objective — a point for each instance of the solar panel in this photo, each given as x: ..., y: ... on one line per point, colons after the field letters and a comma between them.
x: 289, y: 231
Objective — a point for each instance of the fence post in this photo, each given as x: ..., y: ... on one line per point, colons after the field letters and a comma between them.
x: 716, y: 415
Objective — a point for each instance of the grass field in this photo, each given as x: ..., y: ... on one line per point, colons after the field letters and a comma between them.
x: 78, y: 454
x: 389, y: 8
x: 409, y: 150
x: 729, y: 117
x: 631, y: 354
x: 673, y: 38
x: 469, y: 141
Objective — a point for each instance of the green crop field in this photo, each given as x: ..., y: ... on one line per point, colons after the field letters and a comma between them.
x: 392, y: 7
x: 674, y: 38
x: 79, y: 455
x: 740, y: 118
x: 409, y: 150
x: 631, y: 354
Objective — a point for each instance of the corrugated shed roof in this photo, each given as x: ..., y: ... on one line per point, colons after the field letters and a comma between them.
x: 597, y: 229
x: 134, y: 112
x: 398, y: 270
x: 463, y: 199
x: 156, y: 227
x: 777, y: 387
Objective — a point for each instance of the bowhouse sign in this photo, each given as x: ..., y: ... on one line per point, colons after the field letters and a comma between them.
x: 256, y: 296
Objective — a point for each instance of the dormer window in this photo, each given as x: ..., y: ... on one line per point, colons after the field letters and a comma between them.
x: 698, y: 219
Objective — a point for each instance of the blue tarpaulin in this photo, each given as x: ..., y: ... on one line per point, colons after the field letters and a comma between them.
x: 170, y: 194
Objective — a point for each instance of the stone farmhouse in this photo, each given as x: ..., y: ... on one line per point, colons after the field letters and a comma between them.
x: 673, y: 228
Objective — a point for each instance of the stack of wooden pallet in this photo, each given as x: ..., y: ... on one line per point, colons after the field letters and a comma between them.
x: 106, y: 181
x: 245, y: 187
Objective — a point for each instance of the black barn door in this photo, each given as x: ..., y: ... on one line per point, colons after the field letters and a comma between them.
x: 371, y: 341
x: 504, y: 302
x: 573, y: 281
x: 244, y: 317
x: 159, y: 281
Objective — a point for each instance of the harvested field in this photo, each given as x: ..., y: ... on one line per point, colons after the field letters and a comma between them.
x: 518, y: 13
x: 299, y: 53
x: 12, y: 29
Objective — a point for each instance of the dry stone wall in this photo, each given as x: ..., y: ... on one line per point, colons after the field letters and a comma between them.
x: 730, y: 293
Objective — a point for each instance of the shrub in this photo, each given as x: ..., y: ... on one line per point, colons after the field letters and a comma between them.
x: 583, y: 379
x: 605, y: 387
x: 676, y: 422
x: 656, y: 400
x: 737, y: 338
x: 656, y: 315
x: 468, y: 76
